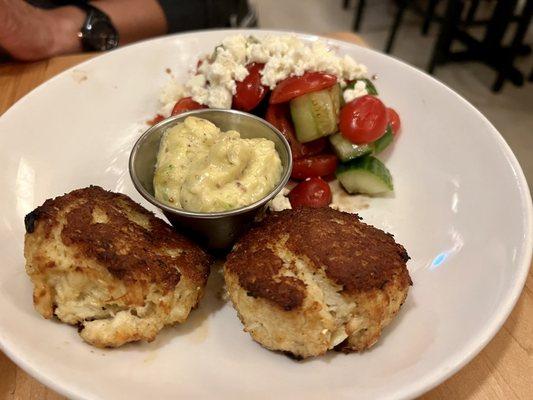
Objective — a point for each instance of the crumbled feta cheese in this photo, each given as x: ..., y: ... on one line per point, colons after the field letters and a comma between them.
x: 196, y: 87
x: 236, y: 45
x: 342, y: 201
x: 172, y: 92
x: 281, y: 201
x: 198, y: 80
x: 218, y: 97
x: 358, y: 90
x: 257, y: 52
x: 351, y: 69
x: 286, y: 56
x: 283, y: 56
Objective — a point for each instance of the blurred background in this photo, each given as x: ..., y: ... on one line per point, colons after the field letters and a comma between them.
x: 500, y: 27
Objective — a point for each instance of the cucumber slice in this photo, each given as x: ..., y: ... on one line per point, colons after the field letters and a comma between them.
x: 347, y: 150
x: 315, y: 114
x: 303, y: 120
x: 365, y: 175
x: 336, y: 98
x: 383, y: 142
x: 322, y: 107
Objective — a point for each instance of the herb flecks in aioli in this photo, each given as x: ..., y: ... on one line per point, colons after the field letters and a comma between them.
x: 199, y: 168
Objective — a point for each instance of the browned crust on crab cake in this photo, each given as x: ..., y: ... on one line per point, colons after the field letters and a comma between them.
x: 293, y: 259
x: 130, y: 251
x: 356, y: 256
x: 128, y: 255
x: 256, y: 266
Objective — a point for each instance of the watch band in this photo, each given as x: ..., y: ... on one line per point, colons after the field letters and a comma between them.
x: 98, y: 32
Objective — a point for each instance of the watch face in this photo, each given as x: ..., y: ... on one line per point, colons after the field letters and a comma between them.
x: 100, y: 35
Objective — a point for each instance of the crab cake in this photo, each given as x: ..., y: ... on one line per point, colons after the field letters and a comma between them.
x: 308, y: 280
x: 101, y: 261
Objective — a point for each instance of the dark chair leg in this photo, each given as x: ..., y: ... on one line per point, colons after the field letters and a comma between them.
x: 396, y: 24
x: 471, y: 14
x: 498, y: 23
x: 359, y: 15
x: 494, y: 35
x: 521, y: 30
x: 345, y: 4
x: 441, y: 50
x: 428, y: 16
x: 498, y: 83
x: 507, y: 69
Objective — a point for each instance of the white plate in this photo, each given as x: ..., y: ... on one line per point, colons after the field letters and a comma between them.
x: 461, y: 207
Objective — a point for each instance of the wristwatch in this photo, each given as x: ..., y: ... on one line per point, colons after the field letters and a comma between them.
x: 98, y: 32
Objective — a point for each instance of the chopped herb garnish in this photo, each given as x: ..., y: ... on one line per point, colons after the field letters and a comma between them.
x: 370, y: 88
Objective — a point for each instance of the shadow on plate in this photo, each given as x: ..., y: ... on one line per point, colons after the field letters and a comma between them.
x: 196, y: 328
x: 18, y: 285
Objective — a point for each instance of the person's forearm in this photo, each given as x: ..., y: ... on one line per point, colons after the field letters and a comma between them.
x: 67, y: 22
x: 134, y: 19
x: 31, y: 33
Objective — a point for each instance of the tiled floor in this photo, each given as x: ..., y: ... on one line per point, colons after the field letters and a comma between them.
x: 511, y: 111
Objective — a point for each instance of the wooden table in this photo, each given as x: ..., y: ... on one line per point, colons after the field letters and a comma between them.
x: 503, y: 370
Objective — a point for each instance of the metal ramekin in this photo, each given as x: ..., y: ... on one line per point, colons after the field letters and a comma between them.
x: 216, y: 230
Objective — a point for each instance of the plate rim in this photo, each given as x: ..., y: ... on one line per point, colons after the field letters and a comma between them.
x: 438, y: 375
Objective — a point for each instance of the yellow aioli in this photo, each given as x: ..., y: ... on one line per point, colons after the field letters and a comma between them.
x: 200, y: 168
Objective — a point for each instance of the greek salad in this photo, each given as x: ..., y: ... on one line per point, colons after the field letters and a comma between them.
x: 324, y: 104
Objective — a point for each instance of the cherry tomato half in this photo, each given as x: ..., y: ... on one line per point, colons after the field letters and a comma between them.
x: 394, y: 120
x: 315, y: 147
x: 295, y: 86
x: 158, y: 118
x: 363, y: 120
x: 279, y: 116
x: 186, y: 104
x: 321, y: 165
x: 313, y: 192
x: 250, y: 92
